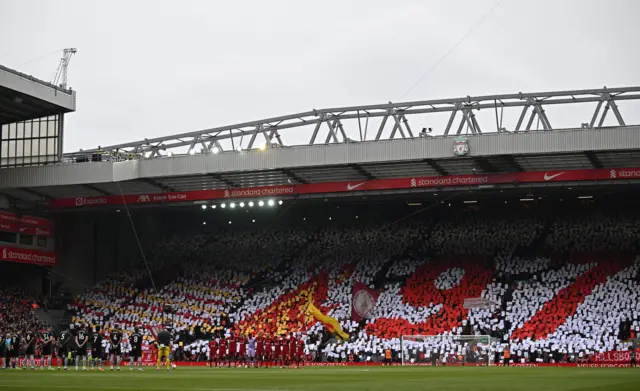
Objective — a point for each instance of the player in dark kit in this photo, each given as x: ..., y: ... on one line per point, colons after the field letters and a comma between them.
x: 633, y: 351
x: 63, y: 348
x: 116, y: 348
x: 163, y: 340
x: 135, y: 340
x: 3, y: 349
x: 47, y: 349
x: 14, y: 349
x: 96, y: 349
x: 82, y: 339
x: 30, y: 340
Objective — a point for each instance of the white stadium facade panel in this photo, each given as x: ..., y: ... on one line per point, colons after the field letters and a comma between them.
x: 618, y: 139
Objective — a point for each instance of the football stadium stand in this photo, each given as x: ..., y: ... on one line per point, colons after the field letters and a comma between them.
x: 560, y: 286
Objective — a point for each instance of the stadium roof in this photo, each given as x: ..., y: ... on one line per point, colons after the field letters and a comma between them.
x: 23, y: 97
x: 400, y: 161
x: 535, y: 159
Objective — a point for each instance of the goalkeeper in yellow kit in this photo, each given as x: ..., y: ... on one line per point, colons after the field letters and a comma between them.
x: 163, y: 343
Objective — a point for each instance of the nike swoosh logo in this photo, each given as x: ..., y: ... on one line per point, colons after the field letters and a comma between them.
x: 350, y: 187
x: 550, y: 177
x: 22, y: 229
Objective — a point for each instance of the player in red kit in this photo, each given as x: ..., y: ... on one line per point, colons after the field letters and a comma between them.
x: 242, y: 351
x: 268, y: 351
x: 222, y: 350
x: 278, y: 353
x: 232, y: 349
x: 285, y: 352
x: 259, y: 350
x: 300, y: 352
x: 292, y: 350
x: 213, y: 353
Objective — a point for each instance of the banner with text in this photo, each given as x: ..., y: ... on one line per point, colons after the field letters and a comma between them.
x: 354, y: 186
x: 29, y: 225
x: 26, y: 255
x: 150, y: 361
x: 615, y: 357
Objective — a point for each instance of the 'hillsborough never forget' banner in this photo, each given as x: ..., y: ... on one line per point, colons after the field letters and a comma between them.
x: 353, y: 186
x: 615, y: 357
x: 148, y: 360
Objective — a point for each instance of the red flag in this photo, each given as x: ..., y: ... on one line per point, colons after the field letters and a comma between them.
x: 363, y: 301
x: 154, y: 331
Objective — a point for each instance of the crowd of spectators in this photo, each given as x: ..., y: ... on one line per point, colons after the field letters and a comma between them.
x: 596, y: 231
x: 551, y: 286
x: 17, y: 310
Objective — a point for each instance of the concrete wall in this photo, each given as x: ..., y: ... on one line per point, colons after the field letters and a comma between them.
x: 93, y: 246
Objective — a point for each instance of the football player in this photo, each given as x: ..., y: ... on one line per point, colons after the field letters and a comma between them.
x: 47, y: 348
x: 115, y: 339
x: 30, y: 339
x: 213, y: 352
x: 82, y: 339
x: 135, y: 340
x: 163, y: 341
x: 63, y: 348
x: 251, y: 351
x: 96, y: 349
x: 3, y: 349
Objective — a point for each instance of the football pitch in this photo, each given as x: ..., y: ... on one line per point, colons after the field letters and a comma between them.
x: 329, y: 379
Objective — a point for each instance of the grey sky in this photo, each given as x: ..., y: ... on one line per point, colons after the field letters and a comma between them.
x: 152, y: 68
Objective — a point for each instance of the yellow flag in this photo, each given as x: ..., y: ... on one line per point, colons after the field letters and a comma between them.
x: 330, y: 323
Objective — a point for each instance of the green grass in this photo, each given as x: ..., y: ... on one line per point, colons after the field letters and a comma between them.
x: 330, y: 379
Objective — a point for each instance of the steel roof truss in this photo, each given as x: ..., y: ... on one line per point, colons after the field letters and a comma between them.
x: 271, y: 128
x: 382, y: 125
x: 611, y: 105
x: 537, y: 112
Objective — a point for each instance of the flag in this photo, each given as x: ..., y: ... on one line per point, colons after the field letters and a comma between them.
x: 363, y: 301
x: 329, y: 323
x: 154, y: 332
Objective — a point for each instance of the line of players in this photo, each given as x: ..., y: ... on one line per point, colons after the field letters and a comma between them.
x: 14, y: 346
x: 260, y: 351
x: 80, y: 346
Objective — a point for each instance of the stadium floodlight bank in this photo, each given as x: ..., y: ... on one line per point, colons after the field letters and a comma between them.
x: 425, y: 350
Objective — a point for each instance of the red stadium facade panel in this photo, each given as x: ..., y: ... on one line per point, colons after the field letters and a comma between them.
x: 28, y: 225
x: 30, y: 239
x: 28, y: 255
x: 353, y: 186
